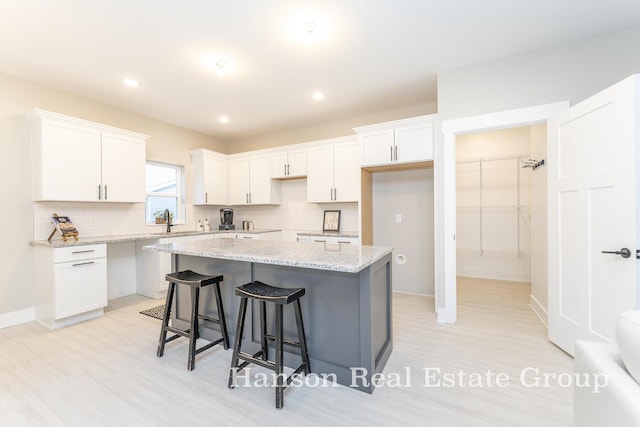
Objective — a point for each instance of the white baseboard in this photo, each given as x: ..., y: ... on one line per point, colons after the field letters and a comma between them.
x: 539, y: 311
x: 17, y: 317
x: 495, y: 275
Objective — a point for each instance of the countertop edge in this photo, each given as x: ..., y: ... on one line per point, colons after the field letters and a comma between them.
x: 136, y: 237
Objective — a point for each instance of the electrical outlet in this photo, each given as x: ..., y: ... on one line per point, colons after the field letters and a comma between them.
x: 398, y: 218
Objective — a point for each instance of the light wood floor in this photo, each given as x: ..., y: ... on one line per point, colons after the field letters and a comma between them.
x: 105, y: 373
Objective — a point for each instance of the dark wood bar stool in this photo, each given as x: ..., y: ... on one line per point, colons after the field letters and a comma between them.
x: 280, y: 297
x: 195, y: 281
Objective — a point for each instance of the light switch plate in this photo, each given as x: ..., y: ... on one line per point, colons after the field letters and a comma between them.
x: 398, y: 218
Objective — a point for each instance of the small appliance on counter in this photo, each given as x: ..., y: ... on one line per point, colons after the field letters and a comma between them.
x: 226, y: 219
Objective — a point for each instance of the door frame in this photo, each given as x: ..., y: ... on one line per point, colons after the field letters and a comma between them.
x: 445, y: 191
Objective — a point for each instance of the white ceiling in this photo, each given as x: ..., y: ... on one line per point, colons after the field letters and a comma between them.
x: 370, y: 56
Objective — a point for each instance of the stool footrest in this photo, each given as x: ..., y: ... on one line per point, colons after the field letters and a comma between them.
x: 284, y: 341
x: 254, y: 359
x: 178, y: 333
x: 298, y: 371
x: 208, y: 346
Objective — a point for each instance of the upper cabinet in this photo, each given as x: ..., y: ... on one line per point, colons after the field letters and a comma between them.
x: 210, y: 177
x: 78, y: 160
x: 250, y: 181
x: 289, y: 164
x: 334, y: 173
x: 400, y: 141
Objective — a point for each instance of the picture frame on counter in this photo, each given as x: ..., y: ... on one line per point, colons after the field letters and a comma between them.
x: 331, y: 221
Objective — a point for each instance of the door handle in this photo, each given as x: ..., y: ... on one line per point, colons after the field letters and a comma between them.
x: 624, y: 252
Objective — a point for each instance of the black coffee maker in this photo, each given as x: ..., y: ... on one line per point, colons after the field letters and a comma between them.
x: 226, y: 219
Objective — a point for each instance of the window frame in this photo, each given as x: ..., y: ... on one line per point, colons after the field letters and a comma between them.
x: 179, y: 218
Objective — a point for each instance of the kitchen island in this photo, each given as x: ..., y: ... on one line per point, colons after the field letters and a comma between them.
x: 346, y: 309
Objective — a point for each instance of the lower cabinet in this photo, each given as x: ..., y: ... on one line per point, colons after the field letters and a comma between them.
x: 270, y: 235
x: 71, y: 284
x: 328, y: 239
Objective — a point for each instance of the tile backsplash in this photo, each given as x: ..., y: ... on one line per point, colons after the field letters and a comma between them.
x: 108, y: 219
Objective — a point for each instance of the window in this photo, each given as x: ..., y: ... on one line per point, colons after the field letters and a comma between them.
x: 164, y: 191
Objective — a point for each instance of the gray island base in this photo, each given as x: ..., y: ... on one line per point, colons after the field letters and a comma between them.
x: 346, y: 309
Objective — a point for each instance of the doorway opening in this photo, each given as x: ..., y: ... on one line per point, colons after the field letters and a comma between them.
x: 501, y: 217
x: 445, y: 191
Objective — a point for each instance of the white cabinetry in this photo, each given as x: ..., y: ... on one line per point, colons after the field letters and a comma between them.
x: 334, y: 173
x: 250, y: 181
x: 270, y: 235
x: 289, y: 164
x: 78, y: 160
x: 401, y: 141
x: 328, y: 239
x: 71, y: 284
x: 210, y: 177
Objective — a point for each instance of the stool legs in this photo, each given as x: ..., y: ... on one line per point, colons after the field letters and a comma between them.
x: 302, y: 338
x: 236, y: 344
x: 165, y: 319
x: 279, y: 359
x: 261, y: 357
x: 193, y: 328
x: 263, y: 330
x: 223, y: 322
x: 195, y: 282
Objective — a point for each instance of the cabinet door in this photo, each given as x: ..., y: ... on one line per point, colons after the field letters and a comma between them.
x: 347, y: 173
x: 239, y: 181
x: 377, y: 148
x: 414, y: 143
x: 320, y: 174
x: 123, y: 168
x: 215, y: 180
x: 297, y: 166
x: 80, y: 286
x: 69, y: 160
x: 260, y: 180
x: 279, y: 165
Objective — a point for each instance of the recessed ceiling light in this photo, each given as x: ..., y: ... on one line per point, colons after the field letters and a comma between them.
x: 317, y: 96
x: 220, y: 65
x: 223, y: 119
x: 129, y: 82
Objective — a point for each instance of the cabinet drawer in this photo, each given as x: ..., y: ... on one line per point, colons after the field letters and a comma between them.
x: 80, y: 287
x: 77, y: 253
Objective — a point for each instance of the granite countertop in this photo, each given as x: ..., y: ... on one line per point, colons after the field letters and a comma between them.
x: 329, y: 233
x: 319, y: 256
x: 56, y: 242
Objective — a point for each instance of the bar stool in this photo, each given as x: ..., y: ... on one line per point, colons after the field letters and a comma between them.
x: 195, y: 281
x: 279, y: 296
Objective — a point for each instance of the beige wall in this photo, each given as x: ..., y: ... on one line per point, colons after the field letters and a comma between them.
x: 328, y: 130
x: 168, y: 143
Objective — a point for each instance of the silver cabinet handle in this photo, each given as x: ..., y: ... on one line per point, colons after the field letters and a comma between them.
x: 396, y: 150
x: 106, y: 194
x: 83, y: 252
x: 99, y: 192
x: 391, y: 153
x: 288, y: 169
x: 206, y: 197
x: 83, y: 263
x: 285, y: 169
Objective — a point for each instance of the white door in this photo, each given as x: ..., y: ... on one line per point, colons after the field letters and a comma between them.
x: 239, y: 181
x: 346, y: 173
x: 377, y: 148
x: 123, y: 168
x: 320, y: 174
x: 414, y: 143
x: 260, y: 180
x: 297, y: 163
x: 215, y: 179
x: 592, y: 208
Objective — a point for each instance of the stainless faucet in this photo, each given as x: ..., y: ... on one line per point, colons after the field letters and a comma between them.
x: 167, y: 219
